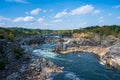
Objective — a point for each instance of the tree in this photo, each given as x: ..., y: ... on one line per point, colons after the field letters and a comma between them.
x: 11, y: 36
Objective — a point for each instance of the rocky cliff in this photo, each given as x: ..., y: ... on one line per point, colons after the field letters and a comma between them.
x: 112, y: 58
x: 106, y: 47
x: 16, y: 64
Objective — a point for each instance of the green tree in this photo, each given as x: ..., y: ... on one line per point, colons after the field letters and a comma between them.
x: 11, y: 36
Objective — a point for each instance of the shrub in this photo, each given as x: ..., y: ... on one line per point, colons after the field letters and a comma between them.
x: 18, y: 52
x: 2, y: 36
x: 11, y: 36
x: 75, y: 42
x: 2, y: 64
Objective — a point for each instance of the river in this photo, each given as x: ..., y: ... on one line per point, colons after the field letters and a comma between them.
x: 77, y: 66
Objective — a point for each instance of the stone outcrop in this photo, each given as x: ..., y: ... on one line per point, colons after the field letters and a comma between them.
x: 100, y: 51
x: 10, y: 51
x: 16, y: 64
x: 110, y: 40
x: 107, y: 48
x: 77, y: 35
x: 29, y: 68
x: 35, y: 40
x: 39, y: 69
x: 112, y: 58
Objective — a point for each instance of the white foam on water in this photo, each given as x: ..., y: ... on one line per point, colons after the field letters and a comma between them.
x: 44, y: 53
x: 71, y: 76
x: 61, y: 59
x: 47, y: 54
x: 27, y: 48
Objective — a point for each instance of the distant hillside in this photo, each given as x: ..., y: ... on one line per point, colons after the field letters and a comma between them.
x: 104, y: 30
x: 101, y: 30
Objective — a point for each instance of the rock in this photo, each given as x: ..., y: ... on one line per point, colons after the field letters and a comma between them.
x: 110, y: 40
x: 39, y: 69
x: 112, y: 58
x: 46, y: 71
x: 13, y: 76
x: 23, y: 68
x: 10, y: 51
x: 42, y: 60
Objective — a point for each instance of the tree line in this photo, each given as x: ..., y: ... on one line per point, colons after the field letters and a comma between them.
x: 11, y: 33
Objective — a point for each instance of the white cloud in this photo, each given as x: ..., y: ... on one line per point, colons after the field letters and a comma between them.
x: 25, y: 19
x: 82, y: 10
x: 86, y: 9
x: 18, y: 19
x: 35, y: 11
x: 61, y: 14
x: 28, y: 18
x: 116, y: 6
x: 4, y: 18
x: 118, y: 17
x: 19, y: 1
x: 40, y: 19
x: 57, y: 21
x: 96, y: 11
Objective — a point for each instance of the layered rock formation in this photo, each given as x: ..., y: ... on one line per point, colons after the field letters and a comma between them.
x: 100, y: 51
x: 35, y: 40
x: 10, y: 51
x: 112, y: 58
x: 32, y: 69
x: 107, y: 47
x: 16, y: 64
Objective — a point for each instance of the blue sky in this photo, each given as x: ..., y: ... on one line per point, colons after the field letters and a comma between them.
x: 59, y: 14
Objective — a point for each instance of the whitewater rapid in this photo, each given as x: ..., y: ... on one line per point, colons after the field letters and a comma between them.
x: 77, y: 66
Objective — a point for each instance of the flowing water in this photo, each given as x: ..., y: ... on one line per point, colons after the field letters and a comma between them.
x: 77, y: 66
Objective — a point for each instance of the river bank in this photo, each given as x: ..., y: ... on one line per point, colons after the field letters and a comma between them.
x: 100, y: 51
x: 107, y: 49
x: 77, y: 65
x: 17, y: 63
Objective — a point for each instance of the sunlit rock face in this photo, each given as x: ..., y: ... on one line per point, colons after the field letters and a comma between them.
x: 112, y: 58
x: 39, y: 69
x: 106, y: 47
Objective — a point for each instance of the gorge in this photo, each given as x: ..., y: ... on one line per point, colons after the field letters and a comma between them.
x: 76, y: 56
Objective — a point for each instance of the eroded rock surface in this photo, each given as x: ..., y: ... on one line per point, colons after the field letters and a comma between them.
x: 112, y: 58
x: 30, y: 68
x: 39, y: 69
x: 18, y: 64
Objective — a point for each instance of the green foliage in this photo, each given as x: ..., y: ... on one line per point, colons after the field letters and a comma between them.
x: 18, y: 52
x: 2, y: 64
x: 75, y: 42
x: 101, y: 30
x: 2, y: 36
x: 11, y: 36
x: 104, y: 30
